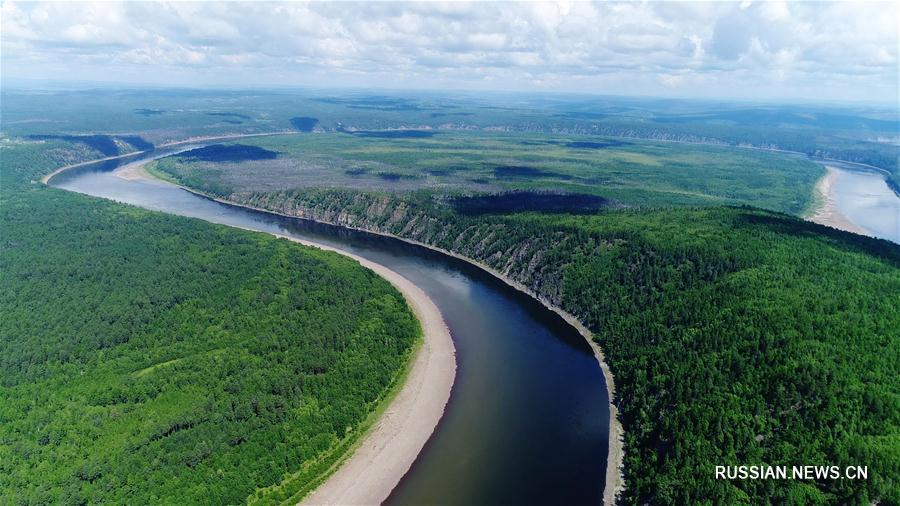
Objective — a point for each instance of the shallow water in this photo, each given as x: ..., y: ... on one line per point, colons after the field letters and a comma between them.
x: 527, y: 421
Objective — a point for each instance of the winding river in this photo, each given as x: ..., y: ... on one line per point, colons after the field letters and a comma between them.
x: 527, y: 420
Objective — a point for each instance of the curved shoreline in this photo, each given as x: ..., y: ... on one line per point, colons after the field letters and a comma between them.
x: 371, y: 468
x: 828, y: 212
x: 614, y: 479
x: 47, y: 177
x: 375, y: 466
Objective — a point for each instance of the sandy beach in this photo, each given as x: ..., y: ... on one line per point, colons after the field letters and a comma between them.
x: 376, y: 466
x: 828, y: 212
x: 614, y: 476
x: 389, y: 449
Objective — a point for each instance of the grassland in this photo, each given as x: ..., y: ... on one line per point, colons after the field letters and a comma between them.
x: 630, y: 173
x: 854, y: 133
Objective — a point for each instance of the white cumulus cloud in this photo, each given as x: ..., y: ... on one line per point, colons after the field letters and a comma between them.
x: 765, y: 49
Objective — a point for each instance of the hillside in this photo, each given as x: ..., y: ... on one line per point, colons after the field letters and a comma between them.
x: 736, y: 335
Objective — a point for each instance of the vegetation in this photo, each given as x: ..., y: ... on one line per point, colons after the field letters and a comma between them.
x: 736, y: 335
x: 633, y: 173
x: 147, y: 358
x: 228, y: 153
x: 862, y: 134
x: 304, y: 124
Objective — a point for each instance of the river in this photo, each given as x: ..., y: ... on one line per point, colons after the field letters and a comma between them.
x: 527, y: 421
x: 865, y: 199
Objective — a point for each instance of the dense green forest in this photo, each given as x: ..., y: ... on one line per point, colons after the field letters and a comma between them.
x: 151, y: 359
x: 735, y: 335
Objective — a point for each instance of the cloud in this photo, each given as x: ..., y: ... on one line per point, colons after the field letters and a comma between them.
x: 731, y: 36
x: 834, y: 50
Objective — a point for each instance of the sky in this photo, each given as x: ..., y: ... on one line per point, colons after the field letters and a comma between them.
x: 772, y: 50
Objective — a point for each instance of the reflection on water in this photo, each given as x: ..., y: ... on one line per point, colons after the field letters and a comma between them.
x: 527, y: 421
x: 866, y: 200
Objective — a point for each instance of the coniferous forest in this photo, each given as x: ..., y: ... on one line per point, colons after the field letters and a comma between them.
x: 736, y: 335
x: 148, y: 357
x: 151, y: 359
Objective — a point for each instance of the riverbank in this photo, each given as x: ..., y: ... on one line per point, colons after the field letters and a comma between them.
x: 614, y: 476
x: 614, y: 479
x: 827, y: 211
x: 47, y: 177
x: 371, y: 468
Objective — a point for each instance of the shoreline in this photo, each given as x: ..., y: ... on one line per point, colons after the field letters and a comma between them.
x: 47, y: 177
x: 614, y: 479
x: 369, y: 470
x: 372, y: 468
x: 827, y: 211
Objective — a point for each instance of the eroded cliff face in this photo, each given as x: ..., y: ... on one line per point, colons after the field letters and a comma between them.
x: 535, y: 259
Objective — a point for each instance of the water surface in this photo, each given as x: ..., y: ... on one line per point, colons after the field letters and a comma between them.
x: 866, y: 200
x: 527, y: 420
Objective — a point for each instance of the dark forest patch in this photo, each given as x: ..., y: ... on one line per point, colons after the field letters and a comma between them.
x: 304, y: 123
x: 229, y: 153
x: 394, y: 176
x: 357, y: 171
x: 526, y: 172
x: 595, y: 144
x: 540, y: 143
x: 394, y: 134
x: 525, y: 201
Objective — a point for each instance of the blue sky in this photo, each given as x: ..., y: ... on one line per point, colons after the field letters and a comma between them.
x: 772, y: 50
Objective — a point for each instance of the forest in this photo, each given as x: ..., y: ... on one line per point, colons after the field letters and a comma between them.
x: 152, y: 359
x: 735, y: 334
